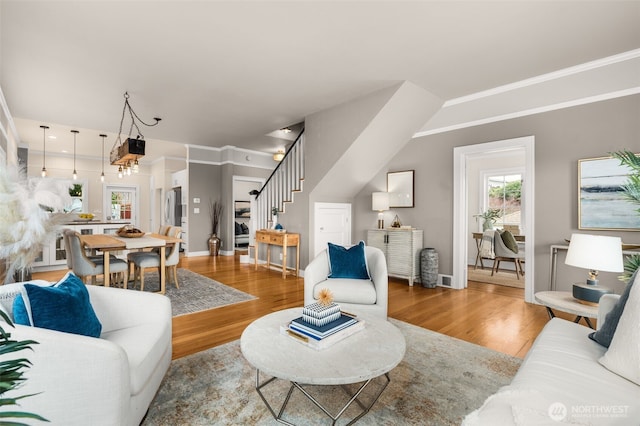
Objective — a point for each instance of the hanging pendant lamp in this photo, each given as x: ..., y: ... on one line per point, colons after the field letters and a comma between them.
x: 44, y: 150
x: 75, y: 173
x: 102, y: 175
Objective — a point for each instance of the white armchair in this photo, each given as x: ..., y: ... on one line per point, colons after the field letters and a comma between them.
x: 366, y: 296
x: 111, y: 380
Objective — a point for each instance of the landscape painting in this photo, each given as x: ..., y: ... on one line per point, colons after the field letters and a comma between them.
x: 602, y: 204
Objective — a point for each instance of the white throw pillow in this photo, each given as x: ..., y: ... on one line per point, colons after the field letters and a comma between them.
x: 623, y: 356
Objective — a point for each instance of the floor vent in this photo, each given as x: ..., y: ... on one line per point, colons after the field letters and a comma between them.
x: 446, y: 280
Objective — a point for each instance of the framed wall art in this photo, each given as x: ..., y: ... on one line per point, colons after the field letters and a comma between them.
x: 601, y: 201
x: 400, y: 188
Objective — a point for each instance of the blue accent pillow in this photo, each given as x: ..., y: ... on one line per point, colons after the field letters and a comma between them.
x: 64, y: 306
x: 348, y: 262
x: 604, y: 335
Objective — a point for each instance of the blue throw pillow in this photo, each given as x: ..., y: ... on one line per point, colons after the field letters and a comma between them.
x: 64, y: 306
x: 605, y: 333
x: 348, y: 262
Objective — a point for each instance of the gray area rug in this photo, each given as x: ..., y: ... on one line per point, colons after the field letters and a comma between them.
x: 196, y: 292
x: 440, y: 380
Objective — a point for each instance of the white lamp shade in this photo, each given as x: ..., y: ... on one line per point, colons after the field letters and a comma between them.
x: 380, y: 201
x: 596, y: 252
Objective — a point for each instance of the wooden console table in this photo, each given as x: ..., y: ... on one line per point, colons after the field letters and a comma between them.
x: 282, y: 239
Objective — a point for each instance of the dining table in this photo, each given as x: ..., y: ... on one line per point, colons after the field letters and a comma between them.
x: 107, y: 243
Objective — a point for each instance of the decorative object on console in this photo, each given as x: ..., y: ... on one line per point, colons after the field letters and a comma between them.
x: 595, y: 253
x: 489, y: 218
x: 380, y: 203
x: 274, y: 217
x: 400, y: 188
x: 325, y: 297
x: 215, y: 213
x: 396, y: 222
x: 127, y: 154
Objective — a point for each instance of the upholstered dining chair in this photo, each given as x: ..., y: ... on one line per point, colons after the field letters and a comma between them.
x: 146, y: 260
x: 360, y: 295
x: 504, y: 253
x: 84, y: 266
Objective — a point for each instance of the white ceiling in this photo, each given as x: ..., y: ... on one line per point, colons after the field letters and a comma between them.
x: 229, y: 73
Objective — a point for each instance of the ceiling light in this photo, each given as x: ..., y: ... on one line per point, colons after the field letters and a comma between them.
x: 278, y: 156
x: 285, y: 130
x: 75, y: 174
x: 52, y: 136
x: 136, y: 167
x: 102, y: 175
x: 44, y: 150
x: 132, y: 148
x: 120, y: 172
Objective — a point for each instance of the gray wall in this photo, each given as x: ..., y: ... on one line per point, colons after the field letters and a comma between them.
x: 561, y: 138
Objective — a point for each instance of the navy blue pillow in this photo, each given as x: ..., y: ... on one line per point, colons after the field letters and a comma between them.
x: 605, y: 334
x: 64, y: 306
x: 348, y: 262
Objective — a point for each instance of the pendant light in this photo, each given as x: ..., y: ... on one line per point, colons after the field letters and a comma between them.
x: 75, y: 173
x: 102, y: 175
x: 120, y: 172
x: 44, y: 150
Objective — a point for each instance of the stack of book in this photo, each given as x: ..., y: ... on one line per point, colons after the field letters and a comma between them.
x: 316, y: 331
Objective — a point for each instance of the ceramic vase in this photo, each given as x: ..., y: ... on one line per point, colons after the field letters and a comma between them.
x: 429, y: 267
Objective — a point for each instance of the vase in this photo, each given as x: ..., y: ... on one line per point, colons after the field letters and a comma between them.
x: 214, y: 245
x: 274, y: 221
x: 487, y: 224
x: 429, y: 267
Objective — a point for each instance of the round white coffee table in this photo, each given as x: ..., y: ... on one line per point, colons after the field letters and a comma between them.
x: 361, y: 357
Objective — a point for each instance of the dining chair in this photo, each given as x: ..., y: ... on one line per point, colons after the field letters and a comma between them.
x: 85, y: 266
x: 146, y: 260
x: 504, y: 253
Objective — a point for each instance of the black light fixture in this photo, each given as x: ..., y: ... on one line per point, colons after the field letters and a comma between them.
x: 44, y: 150
x: 124, y: 154
x: 75, y: 173
x: 102, y: 175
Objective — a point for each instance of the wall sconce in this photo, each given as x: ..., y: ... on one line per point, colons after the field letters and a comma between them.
x: 278, y: 156
x: 380, y: 203
x: 595, y: 253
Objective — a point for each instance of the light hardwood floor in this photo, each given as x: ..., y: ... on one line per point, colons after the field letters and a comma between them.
x: 489, y: 315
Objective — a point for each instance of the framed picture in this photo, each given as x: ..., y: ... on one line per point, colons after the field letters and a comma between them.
x: 601, y: 201
x: 400, y: 188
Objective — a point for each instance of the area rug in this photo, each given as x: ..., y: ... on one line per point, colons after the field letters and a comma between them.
x: 440, y: 380
x: 502, y: 277
x: 196, y: 292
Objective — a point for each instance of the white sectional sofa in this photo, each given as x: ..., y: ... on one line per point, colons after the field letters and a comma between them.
x: 111, y: 380
x: 561, y: 382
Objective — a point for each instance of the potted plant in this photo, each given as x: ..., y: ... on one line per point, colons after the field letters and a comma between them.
x: 631, y: 190
x: 76, y: 190
x: 12, y: 374
x: 489, y: 218
x: 215, y: 213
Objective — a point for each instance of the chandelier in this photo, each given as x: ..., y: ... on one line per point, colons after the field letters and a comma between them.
x: 125, y: 154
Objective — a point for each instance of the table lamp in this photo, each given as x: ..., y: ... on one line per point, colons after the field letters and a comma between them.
x: 595, y: 253
x: 380, y: 203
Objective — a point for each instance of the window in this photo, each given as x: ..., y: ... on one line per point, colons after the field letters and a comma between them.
x: 121, y: 203
x: 503, y: 190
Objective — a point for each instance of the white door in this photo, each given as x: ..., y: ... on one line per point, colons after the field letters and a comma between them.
x: 121, y: 203
x: 332, y: 225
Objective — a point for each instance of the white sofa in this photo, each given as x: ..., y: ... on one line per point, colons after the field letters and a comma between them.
x: 366, y: 296
x: 561, y: 381
x: 111, y: 380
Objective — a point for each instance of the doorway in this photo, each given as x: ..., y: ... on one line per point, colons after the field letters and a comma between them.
x: 244, y: 223
x: 462, y: 212
x: 332, y: 225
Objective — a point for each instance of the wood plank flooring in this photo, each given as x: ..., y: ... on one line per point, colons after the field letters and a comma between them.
x: 489, y: 315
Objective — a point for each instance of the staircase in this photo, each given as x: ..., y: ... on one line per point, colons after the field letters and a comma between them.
x: 284, y: 181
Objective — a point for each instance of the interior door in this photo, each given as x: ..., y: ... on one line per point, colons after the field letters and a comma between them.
x: 332, y: 225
